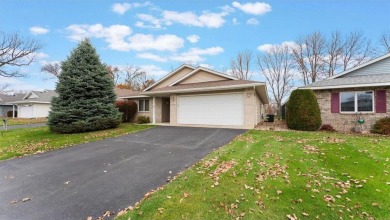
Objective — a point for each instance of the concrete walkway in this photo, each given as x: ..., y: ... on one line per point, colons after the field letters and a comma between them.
x: 108, y: 175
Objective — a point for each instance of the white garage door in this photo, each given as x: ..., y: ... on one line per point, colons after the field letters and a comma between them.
x: 25, y: 111
x: 217, y: 109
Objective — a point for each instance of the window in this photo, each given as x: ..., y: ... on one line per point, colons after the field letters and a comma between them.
x: 362, y: 101
x: 143, y: 105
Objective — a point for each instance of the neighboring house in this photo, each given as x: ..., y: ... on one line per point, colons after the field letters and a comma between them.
x: 200, y: 96
x: 362, y: 92
x: 6, y: 107
x: 36, y: 104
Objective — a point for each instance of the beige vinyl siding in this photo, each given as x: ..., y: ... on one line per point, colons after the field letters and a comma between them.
x: 41, y: 110
x: 380, y: 67
x: 173, y: 78
x: 202, y: 76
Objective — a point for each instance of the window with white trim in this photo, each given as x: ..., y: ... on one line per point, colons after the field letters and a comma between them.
x: 360, y: 101
x: 143, y: 105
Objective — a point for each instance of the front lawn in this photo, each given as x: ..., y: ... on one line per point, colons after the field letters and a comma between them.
x: 23, y: 121
x: 20, y: 142
x: 280, y: 175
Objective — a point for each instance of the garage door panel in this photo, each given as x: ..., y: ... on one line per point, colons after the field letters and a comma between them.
x: 218, y: 109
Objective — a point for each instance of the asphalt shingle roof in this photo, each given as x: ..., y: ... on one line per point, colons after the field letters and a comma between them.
x: 11, y: 98
x: 44, y: 96
x: 352, y: 80
x: 204, y: 85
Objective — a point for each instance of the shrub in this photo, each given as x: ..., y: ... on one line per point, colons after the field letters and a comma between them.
x: 128, y: 109
x: 9, y: 114
x: 86, y: 95
x: 327, y: 127
x: 143, y: 120
x: 303, y: 112
x: 382, y: 126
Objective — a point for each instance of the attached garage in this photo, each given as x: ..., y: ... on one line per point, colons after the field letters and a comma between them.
x: 211, y: 109
x: 25, y: 111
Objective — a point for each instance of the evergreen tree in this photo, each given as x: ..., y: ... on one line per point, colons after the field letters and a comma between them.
x: 86, y: 95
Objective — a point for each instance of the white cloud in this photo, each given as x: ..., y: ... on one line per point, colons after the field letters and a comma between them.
x: 155, y: 23
x: 206, y: 19
x: 267, y: 48
x: 193, y: 38
x: 257, y: 8
x: 114, y: 35
x: 38, y: 30
x: 121, y: 8
x: 252, y: 21
x: 194, y: 55
x: 205, y: 65
x: 151, y: 56
x: 19, y: 85
x: 167, y: 42
x: 154, y: 70
x: 235, y: 21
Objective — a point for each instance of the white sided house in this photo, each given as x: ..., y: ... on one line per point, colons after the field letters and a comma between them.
x: 36, y: 104
x: 202, y: 97
x: 355, y: 98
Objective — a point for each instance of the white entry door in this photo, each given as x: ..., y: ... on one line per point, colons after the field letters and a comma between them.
x: 215, y: 109
x: 25, y: 111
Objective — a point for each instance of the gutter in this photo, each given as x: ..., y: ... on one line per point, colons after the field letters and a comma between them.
x: 346, y: 86
x: 204, y: 89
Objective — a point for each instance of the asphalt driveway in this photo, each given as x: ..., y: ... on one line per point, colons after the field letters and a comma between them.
x: 108, y: 175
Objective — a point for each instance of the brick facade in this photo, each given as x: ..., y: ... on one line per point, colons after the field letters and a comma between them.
x: 348, y: 121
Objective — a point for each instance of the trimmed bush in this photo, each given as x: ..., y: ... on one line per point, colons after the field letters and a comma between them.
x: 303, y: 112
x: 86, y: 95
x: 128, y: 109
x: 143, y: 120
x: 382, y: 126
x: 327, y: 127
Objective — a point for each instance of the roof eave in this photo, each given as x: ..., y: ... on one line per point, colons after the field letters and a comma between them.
x: 346, y: 86
x: 205, y: 89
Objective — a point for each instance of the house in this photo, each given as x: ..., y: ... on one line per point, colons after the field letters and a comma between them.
x: 200, y: 96
x: 5, y: 107
x: 36, y: 104
x: 362, y: 92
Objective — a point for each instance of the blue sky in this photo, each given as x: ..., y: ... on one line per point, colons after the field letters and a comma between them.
x: 161, y: 35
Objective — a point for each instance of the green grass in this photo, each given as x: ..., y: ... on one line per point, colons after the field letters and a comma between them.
x: 21, y: 142
x: 270, y: 175
x: 23, y: 121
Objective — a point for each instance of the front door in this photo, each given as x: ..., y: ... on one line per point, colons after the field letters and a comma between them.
x: 165, y: 110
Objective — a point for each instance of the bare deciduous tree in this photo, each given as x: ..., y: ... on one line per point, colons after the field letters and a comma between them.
x: 3, y: 87
x: 144, y: 81
x: 308, y: 55
x: 16, y: 51
x: 131, y: 74
x: 241, y: 65
x: 53, y: 69
x: 277, y: 66
x: 384, y: 41
x: 334, y: 50
x: 356, y: 49
x: 114, y: 73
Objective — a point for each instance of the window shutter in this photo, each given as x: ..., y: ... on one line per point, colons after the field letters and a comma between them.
x: 335, y: 102
x: 380, y: 101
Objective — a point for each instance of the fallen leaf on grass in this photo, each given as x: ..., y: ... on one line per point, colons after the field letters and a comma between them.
x: 185, y: 195
x: 169, y: 197
x: 305, y: 214
x: 329, y: 198
x: 292, y: 217
x: 279, y: 192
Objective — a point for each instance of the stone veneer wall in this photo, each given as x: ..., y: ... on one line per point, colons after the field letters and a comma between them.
x: 347, y: 121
